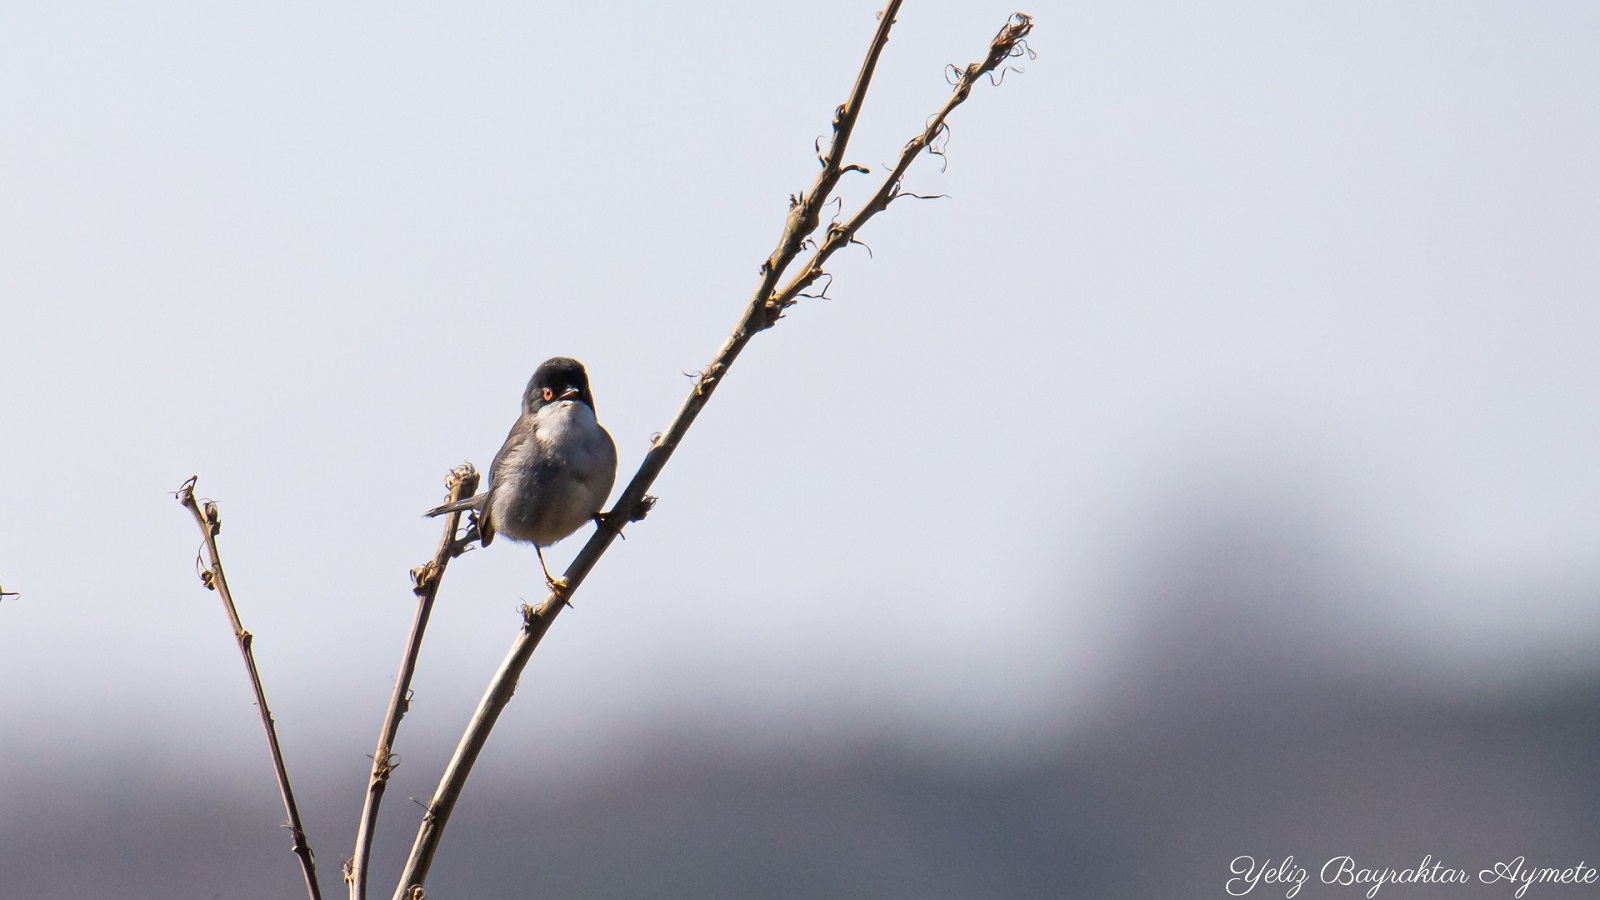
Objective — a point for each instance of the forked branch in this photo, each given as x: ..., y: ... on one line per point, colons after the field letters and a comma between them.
x: 762, y: 312
x: 1009, y: 42
x: 212, y: 576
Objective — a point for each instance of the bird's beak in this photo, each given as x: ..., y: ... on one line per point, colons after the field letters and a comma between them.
x: 570, y: 393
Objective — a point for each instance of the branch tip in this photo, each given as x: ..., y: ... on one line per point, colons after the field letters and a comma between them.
x: 209, y: 521
x: 464, y: 476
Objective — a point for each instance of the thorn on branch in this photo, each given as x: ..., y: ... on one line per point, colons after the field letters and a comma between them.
x: 5, y: 593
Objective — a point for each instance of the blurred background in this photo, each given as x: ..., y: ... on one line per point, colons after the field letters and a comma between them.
x: 1212, y: 474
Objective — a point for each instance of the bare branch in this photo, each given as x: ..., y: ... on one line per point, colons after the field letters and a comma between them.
x: 1008, y: 43
x: 764, y: 310
x: 461, y: 483
x: 210, y: 523
x: 805, y: 213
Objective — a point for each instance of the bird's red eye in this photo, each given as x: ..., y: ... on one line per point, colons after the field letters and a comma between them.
x: 549, y: 394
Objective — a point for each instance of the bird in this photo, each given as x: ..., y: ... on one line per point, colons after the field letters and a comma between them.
x: 555, y: 470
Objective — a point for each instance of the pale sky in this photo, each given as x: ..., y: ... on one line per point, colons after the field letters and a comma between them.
x: 1324, y: 269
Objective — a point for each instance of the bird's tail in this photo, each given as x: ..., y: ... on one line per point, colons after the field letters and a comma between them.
x: 473, y: 502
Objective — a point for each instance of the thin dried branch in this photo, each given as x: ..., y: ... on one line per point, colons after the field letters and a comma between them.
x: 212, y: 576
x: 763, y: 312
x: 460, y: 484
x: 805, y: 212
x: 1008, y: 43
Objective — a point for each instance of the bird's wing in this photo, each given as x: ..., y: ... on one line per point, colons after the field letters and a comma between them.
x: 510, y: 452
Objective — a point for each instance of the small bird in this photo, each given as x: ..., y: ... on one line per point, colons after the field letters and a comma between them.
x: 554, y: 471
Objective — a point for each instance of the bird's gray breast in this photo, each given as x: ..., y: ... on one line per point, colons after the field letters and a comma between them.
x: 556, y: 478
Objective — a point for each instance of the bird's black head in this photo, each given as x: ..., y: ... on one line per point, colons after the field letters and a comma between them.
x: 558, y: 378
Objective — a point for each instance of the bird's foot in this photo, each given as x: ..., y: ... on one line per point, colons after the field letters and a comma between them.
x: 558, y: 587
x: 469, y: 537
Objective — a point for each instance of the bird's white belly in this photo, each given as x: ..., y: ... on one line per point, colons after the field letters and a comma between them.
x: 545, y: 504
